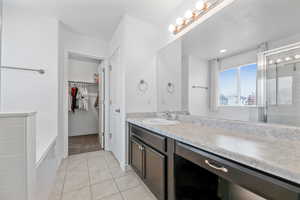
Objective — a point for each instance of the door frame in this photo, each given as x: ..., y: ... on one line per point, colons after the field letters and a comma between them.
x: 63, y: 130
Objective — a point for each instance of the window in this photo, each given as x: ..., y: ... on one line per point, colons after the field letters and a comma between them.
x: 238, y: 86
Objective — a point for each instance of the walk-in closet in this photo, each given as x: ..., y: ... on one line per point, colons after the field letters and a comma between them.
x: 84, y: 113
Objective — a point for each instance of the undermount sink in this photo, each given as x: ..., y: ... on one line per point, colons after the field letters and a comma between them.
x: 160, y: 121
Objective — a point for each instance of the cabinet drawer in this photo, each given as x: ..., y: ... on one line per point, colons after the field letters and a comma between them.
x: 250, y: 179
x: 152, y: 139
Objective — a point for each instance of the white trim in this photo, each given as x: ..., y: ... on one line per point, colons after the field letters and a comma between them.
x: 238, y: 66
x: 281, y: 49
x: 106, y: 107
x: 238, y: 106
x: 46, y: 152
x: 85, y: 55
x: 64, y: 96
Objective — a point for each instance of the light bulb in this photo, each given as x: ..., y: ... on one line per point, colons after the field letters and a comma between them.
x: 172, y: 28
x: 200, y: 5
x: 208, y: 4
x: 179, y: 21
x: 271, y: 62
x: 279, y: 60
x: 223, y: 50
x: 288, y: 58
x: 188, y: 14
x: 297, y: 56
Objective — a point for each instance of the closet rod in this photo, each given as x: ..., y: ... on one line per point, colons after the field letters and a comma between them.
x: 40, y: 71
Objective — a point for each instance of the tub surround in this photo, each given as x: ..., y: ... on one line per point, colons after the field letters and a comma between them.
x: 41, y: 149
x: 29, y: 163
x: 18, y: 155
x: 274, y: 149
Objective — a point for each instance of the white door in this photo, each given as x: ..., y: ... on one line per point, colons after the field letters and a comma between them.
x: 115, y: 104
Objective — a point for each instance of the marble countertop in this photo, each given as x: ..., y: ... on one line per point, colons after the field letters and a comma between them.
x: 279, y: 157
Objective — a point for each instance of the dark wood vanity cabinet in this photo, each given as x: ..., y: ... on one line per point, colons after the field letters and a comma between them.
x: 177, y: 171
x: 148, y: 162
x: 154, y: 174
x: 137, y: 157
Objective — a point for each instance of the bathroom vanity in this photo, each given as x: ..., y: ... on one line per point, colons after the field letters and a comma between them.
x: 189, y: 161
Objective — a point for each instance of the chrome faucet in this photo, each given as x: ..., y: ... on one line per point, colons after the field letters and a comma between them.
x: 168, y: 115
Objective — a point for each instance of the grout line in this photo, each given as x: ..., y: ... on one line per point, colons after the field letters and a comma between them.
x: 141, y: 184
x: 90, y: 183
x: 64, y: 178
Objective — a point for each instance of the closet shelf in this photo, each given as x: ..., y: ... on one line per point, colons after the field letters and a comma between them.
x: 82, y: 82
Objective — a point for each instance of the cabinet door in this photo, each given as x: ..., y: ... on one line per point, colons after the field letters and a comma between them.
x: 155, y: 176
x: 137, y: 157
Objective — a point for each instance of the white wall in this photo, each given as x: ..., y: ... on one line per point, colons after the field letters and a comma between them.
x: 284, y: 41
x: 185, y: 83
x: 141, y: 45
x: 82, y: 44
x: 1, y: 29
x: 31, y: 41
x: 82, y: 69
x: 138, y: 43
x: 169, y: 71
x: 198, y: 76
x: 84, y: 122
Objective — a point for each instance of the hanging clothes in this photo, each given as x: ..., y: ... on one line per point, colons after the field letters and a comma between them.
x: 78, y: 98
x: 70, y: 100
x: 74, y: 91
x: 85, y: 99
x: 82, y: 99
x: 96, y: 104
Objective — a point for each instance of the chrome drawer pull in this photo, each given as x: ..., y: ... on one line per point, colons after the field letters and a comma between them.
x: 223, y: 169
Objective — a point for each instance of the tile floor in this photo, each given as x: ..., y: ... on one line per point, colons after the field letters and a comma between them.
x: 97, y: 176
x: 84, y: 144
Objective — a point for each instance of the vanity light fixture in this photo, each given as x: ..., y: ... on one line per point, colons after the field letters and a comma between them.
x: 201, y: 7
x: 223, y: 50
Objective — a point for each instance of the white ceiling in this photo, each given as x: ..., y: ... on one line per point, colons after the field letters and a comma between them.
x: 243, y: 25
x: 99, y: 17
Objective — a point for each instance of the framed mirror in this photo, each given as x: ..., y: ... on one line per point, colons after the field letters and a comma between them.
x: 236, y: 64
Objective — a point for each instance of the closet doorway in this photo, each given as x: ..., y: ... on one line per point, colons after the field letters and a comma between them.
x: 85, y: 107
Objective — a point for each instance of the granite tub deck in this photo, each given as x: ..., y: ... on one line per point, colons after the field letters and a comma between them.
x: 277, y: 156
